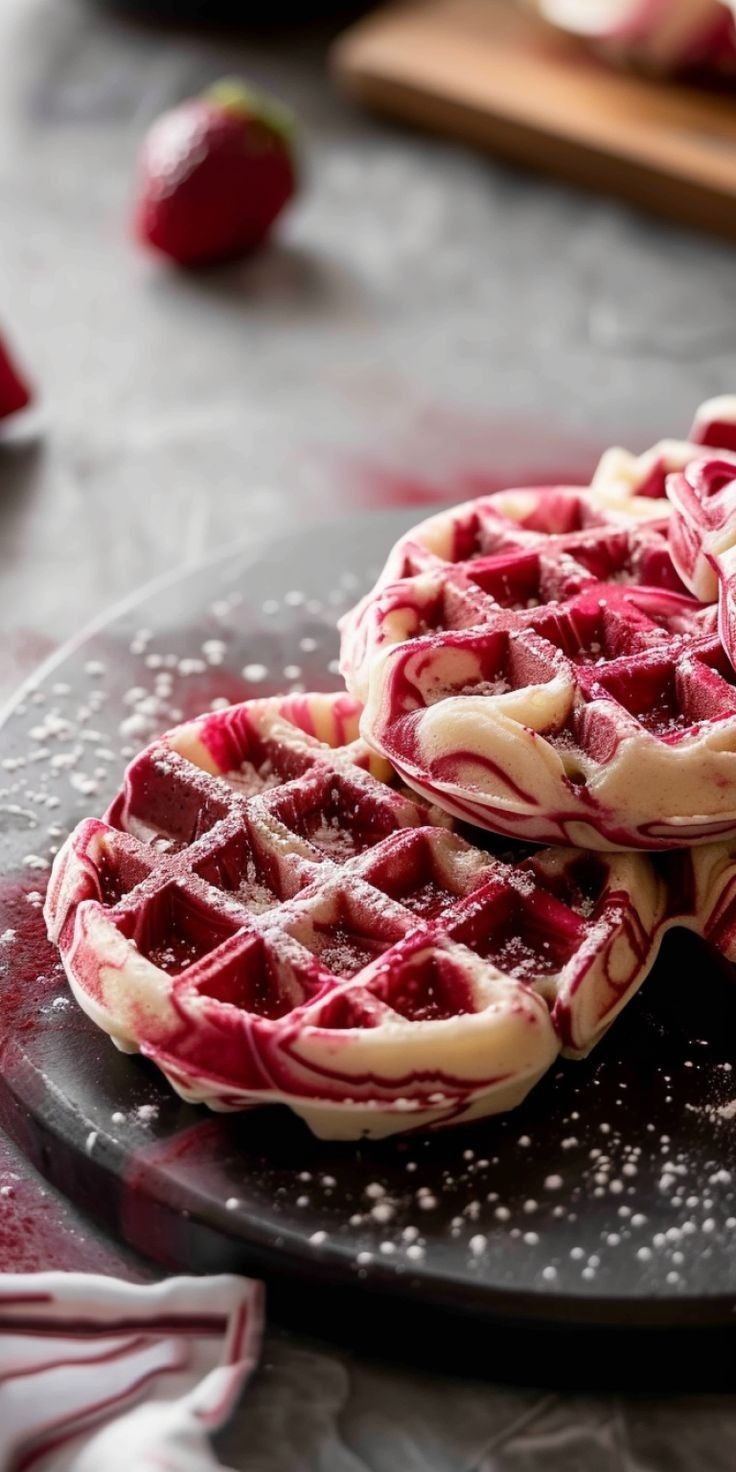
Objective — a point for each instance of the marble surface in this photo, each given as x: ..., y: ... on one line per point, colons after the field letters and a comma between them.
x: 426, y: 323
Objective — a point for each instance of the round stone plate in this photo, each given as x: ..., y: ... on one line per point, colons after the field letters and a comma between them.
x: 608, y: 1199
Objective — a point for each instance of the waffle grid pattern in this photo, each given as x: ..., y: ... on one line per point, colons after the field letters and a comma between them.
x: 271, y: 917
x: 299, y: 930
x: 535, y: 663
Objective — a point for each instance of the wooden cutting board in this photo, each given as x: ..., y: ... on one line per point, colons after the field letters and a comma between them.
x: 490, y: 73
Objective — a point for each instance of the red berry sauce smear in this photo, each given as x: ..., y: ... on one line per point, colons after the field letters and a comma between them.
x: 38, y: 1229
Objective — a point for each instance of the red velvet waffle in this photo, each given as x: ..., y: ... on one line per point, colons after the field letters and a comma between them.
x: 533, y: 662
x: 702, y: 537
x: 270, y: 920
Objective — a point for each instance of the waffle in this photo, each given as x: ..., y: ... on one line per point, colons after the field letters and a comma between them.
x: 702, y: 538
x: 268, y: 917
x: 534, y: 662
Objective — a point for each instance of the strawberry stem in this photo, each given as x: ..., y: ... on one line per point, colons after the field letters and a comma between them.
x: 249, y: 103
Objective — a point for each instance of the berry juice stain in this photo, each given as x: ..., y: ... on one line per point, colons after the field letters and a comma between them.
x: 31, y: 975
x: 38, y: 1229
x: 451, y: 456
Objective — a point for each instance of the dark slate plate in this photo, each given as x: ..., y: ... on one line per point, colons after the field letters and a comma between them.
x: 608, y: 1199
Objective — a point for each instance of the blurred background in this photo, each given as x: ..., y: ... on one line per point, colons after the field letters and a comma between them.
x: 426, y: 318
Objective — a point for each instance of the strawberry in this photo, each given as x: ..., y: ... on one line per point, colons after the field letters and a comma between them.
x: 215, y: 173
x: 14, y: 392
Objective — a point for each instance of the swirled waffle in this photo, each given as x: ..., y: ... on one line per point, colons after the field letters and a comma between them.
x: 270, y: 918
x: 534, y: 662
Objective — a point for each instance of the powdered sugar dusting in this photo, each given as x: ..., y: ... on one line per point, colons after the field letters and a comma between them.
x: 497, y: 1200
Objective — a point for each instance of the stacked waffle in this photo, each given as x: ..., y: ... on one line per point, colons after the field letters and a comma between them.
x: 272, y: 916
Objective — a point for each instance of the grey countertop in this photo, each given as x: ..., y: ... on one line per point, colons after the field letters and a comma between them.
x: 426, y: 323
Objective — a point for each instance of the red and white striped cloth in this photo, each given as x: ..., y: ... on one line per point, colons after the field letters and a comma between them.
x: 99, y: 1375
